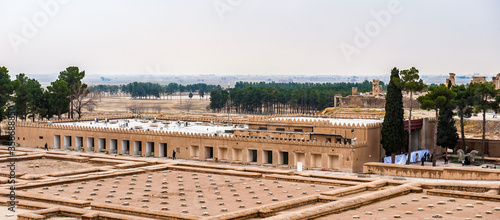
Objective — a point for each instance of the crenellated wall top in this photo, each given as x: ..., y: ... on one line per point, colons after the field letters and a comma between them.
x: 159, y: 117
x: 317, y: 121
x: 190, y: 135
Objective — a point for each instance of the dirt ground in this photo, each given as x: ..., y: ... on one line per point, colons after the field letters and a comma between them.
x: 170, y: 104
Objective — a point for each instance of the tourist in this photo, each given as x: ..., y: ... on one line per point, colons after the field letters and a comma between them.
x: 46, y: 147
x: 173, y: 154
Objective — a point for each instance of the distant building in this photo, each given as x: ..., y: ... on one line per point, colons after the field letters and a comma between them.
x: 477, y: 79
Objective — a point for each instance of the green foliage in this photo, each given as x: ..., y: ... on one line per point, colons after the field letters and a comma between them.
x: 146, y: 90
x: 438, y: 97
x: 71, y: 76
x: 410, y: 80
x: 6, y: 89
x: 190, y: 95
x: 447, y: 136
x: 143, y: 90
x: 482, y: 94
x: 28, y: 93
x: 218, y: 98
x: 393, y: 133
x: 463, y: 102
x: 45, y: 108
x: 272, y: 98
x: 111, y: 89
x: 59, y: 96
x: 342, y: 88
x: 201, y: 92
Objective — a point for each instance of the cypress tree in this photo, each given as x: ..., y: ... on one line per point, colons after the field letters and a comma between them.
x: 447, y: 136
x: 393, y: 132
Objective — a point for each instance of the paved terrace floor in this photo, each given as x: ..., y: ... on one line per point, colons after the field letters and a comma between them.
x: 186, y: 188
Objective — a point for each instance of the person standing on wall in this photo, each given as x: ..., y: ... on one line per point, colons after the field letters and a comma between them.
x: 173, y: 154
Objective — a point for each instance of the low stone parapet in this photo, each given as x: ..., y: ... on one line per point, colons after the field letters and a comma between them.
x: 130, y: 165
x: 106, y: 161
x: 139, y: 212
x: 455, y: 173
x: 462, y: 194
x: 347, y: 203
x: 266, y: 171
x: 310, y: 180
x: 46, y: 198
x: 76, y: 213
x: 67, y: 157
x: 221, y: 172
x: 326, y: 176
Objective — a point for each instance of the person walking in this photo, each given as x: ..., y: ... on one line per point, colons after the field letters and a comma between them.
x: 46, y: 147
x: 173, y: 154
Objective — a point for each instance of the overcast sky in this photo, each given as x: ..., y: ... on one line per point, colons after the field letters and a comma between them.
x: 307, y: 37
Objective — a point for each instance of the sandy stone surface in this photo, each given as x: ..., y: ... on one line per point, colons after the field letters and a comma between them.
x: 187, y: 193
x: 5, y: 213
x: 194, y: 192
x: 429, y: 204
x: 47, y: 166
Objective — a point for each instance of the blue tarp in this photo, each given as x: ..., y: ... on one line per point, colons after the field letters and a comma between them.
x: 401, y: 158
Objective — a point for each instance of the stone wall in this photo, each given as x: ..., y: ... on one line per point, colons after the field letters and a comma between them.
x: 454, y: 173
x: 235, y: 149
x: 491, y: 148
x: 373, y: 102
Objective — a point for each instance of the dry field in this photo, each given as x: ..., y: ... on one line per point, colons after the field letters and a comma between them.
x: 171, y: 104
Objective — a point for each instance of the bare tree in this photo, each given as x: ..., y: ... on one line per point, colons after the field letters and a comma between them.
x: 81, y: 99
x: 157, y: 109
x: 188, y: 105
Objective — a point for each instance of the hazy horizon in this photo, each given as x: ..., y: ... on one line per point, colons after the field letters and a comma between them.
x: 237, y: 37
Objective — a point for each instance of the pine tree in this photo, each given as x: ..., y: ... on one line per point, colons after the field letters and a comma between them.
x: 483, y: 93
x: 463, y: 102
x: 411, y: 82
x: 59, y: 96
x: 447, y: 136
x: 438, y: 98
x: 393, y: 133
x: 6, y: 88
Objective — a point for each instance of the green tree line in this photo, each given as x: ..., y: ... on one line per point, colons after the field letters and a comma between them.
x: 148, y: 90
x: 343, y: 88
x: 278, y: 98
